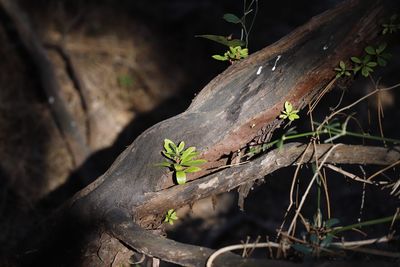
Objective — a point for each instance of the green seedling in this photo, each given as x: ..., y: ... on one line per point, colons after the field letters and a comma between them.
x: 342, y: 70
x: 392, y: 26
x: 379, y: 54
x: 289, y: 112
x: 181, y: 160
x: 319, y: 235
x: 364, y: 64
x: 233, y: 54
x: 125, y: 80
x: 170, y: 217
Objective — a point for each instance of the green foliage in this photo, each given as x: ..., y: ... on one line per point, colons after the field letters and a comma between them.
x: 289, y: 112
x: 227, y: 41
x: 170, y: 217
x: 342, y: 70
x: 391, y: 26
x: 232, y: 18
x: 364, y: 64
x: 319, y: 235
x: 233, y: 54
x: 181, y: 160
x: 379, y: 54
x: 125, y: 80
x: 238, y: 48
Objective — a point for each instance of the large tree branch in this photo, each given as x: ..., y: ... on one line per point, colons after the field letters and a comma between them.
x: 239, y: 105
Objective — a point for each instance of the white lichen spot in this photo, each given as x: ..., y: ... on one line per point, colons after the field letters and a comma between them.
x: 325, y: 47
x: 209, y: 184
x: 276, y: 62
x: 259, y: 70
x: 51, y: 100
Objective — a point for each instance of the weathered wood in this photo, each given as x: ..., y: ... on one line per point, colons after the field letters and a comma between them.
x: 239, y: 104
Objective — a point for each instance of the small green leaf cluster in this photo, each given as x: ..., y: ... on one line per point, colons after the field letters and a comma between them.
x: 342, y: 70
x: 233, y: 54
x: 125, y: 80
x: 319, y: 235
x: 170, y: 217
x: 238, y: 48
x: 289, y: 112
x: 365, y: 64
x: 392, y: 26
x: 181, y: 160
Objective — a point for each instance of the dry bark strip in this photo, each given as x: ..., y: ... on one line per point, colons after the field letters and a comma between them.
x: 232, y: 110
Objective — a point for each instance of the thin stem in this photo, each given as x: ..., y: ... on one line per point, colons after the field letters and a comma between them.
x: 366, y: 223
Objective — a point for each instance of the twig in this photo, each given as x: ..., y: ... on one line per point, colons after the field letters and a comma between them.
x: 236, y: 247
x: 348, y: 174
x: 383, y: 170
x: 309, y: 187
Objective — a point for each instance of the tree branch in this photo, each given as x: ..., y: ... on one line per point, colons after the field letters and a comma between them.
x: 229, y: 178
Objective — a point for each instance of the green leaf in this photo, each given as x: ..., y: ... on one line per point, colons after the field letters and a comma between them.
x: 164, y: 164
x: 382, y: 62
x: 180, y: 177
x: 168, y: 155
x: 327, y: 241
x: 192, y: 169
x: 167, y: 145
x: 181, y: 146
x: 381, y: 48
x: 244, y: 52
x: 125, y: 80
x: 356, y: 60
x: 293, y: 116
x: 366, y: 59
x: 218, y: 57
x: 232, y: 18
x: 356, y: 69
x: 188, y: 154
x: 331, y: 222
x: 370, y: 50
x: 288, y: 107
x: 194, y: 162
x: 372, y: 64
x: 223, y: 40
x: 283, y: 116
x: 364, y: 72
x: 342, y: 65
x: 302, y: 248
x: 177, y: 167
